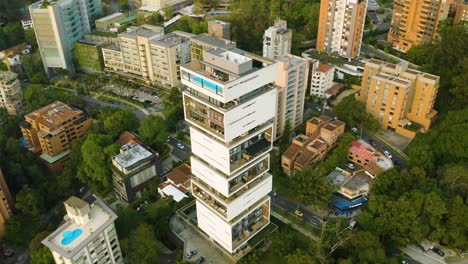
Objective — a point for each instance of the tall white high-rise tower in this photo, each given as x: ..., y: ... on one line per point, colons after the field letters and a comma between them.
x: 230, y: 105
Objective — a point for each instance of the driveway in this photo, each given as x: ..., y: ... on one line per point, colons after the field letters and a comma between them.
x: 179, y: 148
x: 194, y: 241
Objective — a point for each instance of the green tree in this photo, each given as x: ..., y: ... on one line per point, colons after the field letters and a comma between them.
x: 285, y: 139
x: 312, y: 187
x: 39, y: 253
x: 365, y: 247
x: 120, y: 121
x: 94, y: 169
x: 454, y: 177
x: 299, y: 257
x: 153, y: 131
x: 353, y: 113
x: 35, y: 96
x: 29, y: 202
x: 142, y: 246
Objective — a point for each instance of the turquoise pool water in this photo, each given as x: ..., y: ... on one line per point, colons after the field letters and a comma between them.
x: 70, y: 236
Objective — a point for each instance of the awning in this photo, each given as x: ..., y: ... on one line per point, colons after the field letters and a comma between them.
x: 343, y: 204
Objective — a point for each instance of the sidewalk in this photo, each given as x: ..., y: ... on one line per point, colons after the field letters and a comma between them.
x: 293, y: 225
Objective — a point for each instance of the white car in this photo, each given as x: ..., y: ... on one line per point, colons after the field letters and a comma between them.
x: 318, y: 109
x: 351, y: 165
x: 386, y: 153
x: 180, y: 146
x: 354, y: 129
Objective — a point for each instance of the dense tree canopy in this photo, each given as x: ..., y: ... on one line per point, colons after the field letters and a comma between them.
x: 353, y: 113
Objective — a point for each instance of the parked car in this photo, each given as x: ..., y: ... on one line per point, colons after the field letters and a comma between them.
x: 8, y: 252
x: 354, y: 129
x: 386, y: 153
x: 351, y: 165
x: 318, y: 109
x: 438, y: 251
x: 179, y: 145
x: 298, y: 213
x: 372, y: 142
x: 200, y: 260
x: 191, y: 254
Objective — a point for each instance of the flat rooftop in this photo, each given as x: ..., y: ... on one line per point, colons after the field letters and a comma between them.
x: 100, y: 215
x: 146, y: 31
x: 229, y: 55
x: 54, y: 114
x: 6, y: 76
x: 110, y: 17
x: 338, y: 177
x: 214, y: 41
x: 357, y: 180
x: 170, y: 40
x: 131, y: 154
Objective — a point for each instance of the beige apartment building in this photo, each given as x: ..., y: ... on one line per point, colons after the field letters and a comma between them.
x: 204, y: 41
x: 52, y: 129
x: 219, y: 29
x: 341, y: 25
x: 6, y: 204
x: 11, y: 95
x: 322, y: 134
x: 291, y: 83
x: 461, y: 13
x: 402, y: 99
x: 145, y: 53
x: 277, y: 40
x: 416, y: 22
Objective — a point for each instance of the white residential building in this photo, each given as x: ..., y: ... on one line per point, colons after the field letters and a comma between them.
x: 11, y: 95
x: 160, y: 5
x: 87, y: 235
x: 230, y: 106
x: 321, y: 79
x: 58, y: 24
x: 277, y: 40
x: 292, y: 85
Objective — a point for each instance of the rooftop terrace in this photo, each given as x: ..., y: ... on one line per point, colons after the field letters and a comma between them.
x: 131, y: 154
x: 70, y: 237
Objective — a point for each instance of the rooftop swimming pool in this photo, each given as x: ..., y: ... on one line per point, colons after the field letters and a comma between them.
x: 70, y: 236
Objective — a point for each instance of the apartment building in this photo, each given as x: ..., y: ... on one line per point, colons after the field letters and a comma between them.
x: 230, y: 106
x: 11, y: 95
x: 58, y: 25
x: 341, y: 25
x: 6, y: 204
x: 106, y: 23
x: 352, y: 190
x: 461, y: 14
x: 87, y: 234
x: 322, y: 76
x: 291, y: 84
x: 145, y: 53
x: 277, y: 40
x: 416, y: 22
x: 52, y: 129
x: 132, y: 170
x: 204, y: 41
x: 402, y: 99
x: 219, y: 29
x: 372, y: 161
x: 161, y: 5
x: 322, y: 134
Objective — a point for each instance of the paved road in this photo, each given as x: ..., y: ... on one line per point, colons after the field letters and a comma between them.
x: 426, y: 257
x: 290, y: 207
x: 181, y: 153
x: 91, y: 101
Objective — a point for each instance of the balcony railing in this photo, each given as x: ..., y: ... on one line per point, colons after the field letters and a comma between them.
x: 250, y: 232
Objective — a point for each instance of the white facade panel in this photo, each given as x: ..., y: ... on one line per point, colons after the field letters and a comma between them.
x: 250, y: 82
x: 214, y: 226
x: 249, y: 115
x: 209, y: 176
x: 250, y: 197
x: 210, y: 150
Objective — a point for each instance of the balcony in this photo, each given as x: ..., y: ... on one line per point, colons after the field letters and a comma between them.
x: 236, y: 183
x: 205, y: 117
x: 250, y: 231
x: 209, y: 200
x: 256, y: 147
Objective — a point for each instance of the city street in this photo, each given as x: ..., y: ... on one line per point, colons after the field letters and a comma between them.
x: 291, y: 206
